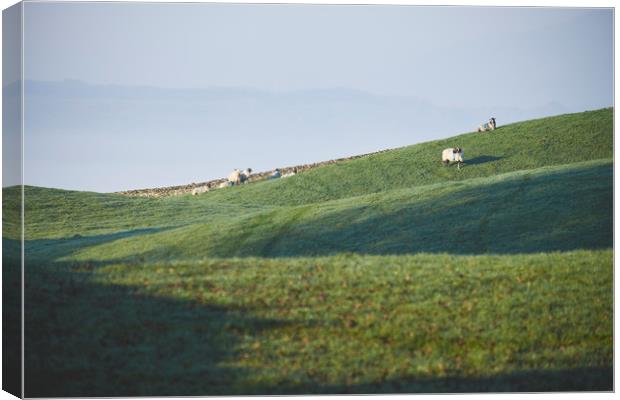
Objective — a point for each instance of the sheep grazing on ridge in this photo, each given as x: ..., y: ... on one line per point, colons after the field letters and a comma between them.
x: 200, y: 189
x: 234, y: 177
x: 244, y: 176
x: 489, y: 126
x: 452, y: 154
x: 224, y: 184
x: 290, y: 173
x: 275, y: 174
x: 238, y: 177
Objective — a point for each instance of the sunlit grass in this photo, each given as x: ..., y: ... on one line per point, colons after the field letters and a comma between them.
x: 389, y: 273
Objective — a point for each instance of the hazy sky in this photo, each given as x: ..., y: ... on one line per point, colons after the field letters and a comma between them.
x: 455, y: 58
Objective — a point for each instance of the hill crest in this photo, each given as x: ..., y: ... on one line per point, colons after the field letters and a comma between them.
x: 522, y: 145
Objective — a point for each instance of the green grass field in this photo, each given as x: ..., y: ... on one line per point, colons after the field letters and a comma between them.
x: 389, y: 273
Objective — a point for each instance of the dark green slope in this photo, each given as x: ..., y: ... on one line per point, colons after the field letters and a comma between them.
x: 547, y: 209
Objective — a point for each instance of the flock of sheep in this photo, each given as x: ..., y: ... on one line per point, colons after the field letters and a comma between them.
x: 237, y: 177
x: 455, y: 154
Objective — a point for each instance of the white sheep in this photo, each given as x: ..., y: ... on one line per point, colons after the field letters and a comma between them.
x: 234, y: 177
x: 452, y: 154
x: 224, y: 184
x: 489, y: 126
x: 244, y: 176
x: 199, y: 190
x: 290, y: 173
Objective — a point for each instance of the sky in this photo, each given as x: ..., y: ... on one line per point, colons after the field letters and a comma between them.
x: 133, y: 95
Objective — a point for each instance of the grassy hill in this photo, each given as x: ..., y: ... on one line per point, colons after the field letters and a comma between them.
x: 546, y: 209
x: 526, y: 145
x: 388, y: 273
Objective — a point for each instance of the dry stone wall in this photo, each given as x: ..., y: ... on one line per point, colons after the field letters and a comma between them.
x: 213, y: 184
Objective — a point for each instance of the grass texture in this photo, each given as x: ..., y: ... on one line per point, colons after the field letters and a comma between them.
x: 385, y: 274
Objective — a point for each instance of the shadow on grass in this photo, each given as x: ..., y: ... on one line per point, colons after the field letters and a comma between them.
x: 578, y: 379
x: 482, y: 160
x: 559, y: 211
x: 85, y: 338
x: 88, y: 338
x: 52, y: 249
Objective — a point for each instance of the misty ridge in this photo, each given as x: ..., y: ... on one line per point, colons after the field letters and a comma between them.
x: 252, y: 111
x: 165, y: 137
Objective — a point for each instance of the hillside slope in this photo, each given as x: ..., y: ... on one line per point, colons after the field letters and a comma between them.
x: 545, y: 209
x: 388, y: 273
x: 524, y: 145
x: 565, y: 139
